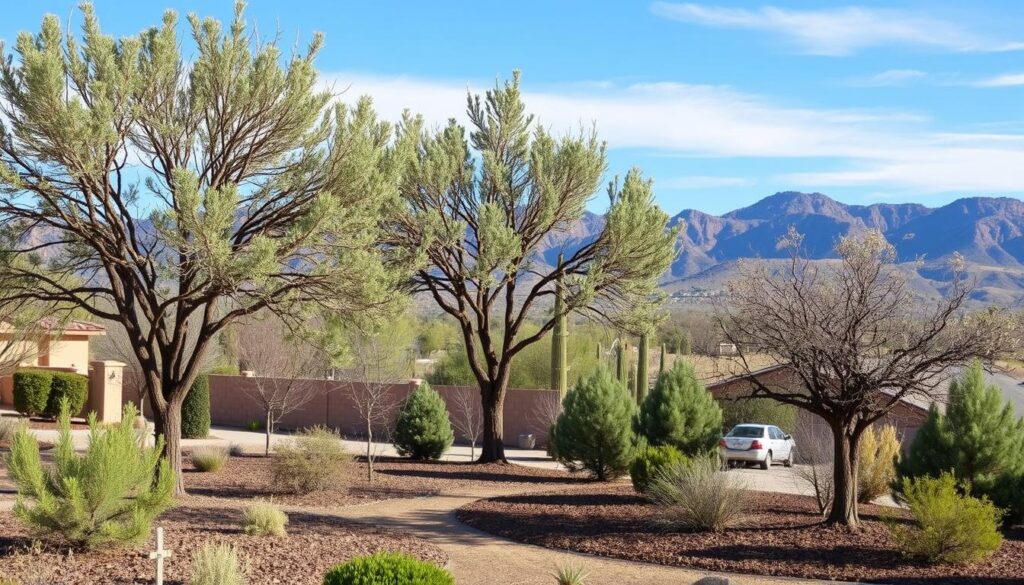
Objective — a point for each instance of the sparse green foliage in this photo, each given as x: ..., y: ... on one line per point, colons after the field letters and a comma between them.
x: 695, y: 495
x: 593, y: 431
x: 209, y: 459
x: 32, y: 391
x: 648, y: 463
x: 947, y: 527
x: 107, y: 495
x: 312, y: 460
x: 423, y: 429
x: 570, y: 574
x: 195, y: 411
x: 680, y: 412
x: 876, y: 465
x: 387, y: 569
x: 69, y: 386
x: 216, y: 564
x: 758, y: 410
x: 263, y: 518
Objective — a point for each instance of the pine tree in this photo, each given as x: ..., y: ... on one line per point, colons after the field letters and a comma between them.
x: 423, y: 429
x: 680, y: 412
x: 593, y: 432
x: 931, y: 451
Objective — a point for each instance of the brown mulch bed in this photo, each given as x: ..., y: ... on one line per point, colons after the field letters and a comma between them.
x: 314, y: 544
x: 782, y: 536
x: 249, y: 476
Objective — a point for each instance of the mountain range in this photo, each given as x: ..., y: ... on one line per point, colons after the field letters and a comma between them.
x: 987, y: 231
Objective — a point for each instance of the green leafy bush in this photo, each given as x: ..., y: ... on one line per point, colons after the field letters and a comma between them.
x: 195, y: 410
x: 387, y: 569
x: 947, y: 527
x: 680, y: 412
x: 67, y: 386
x: 32, y: 391
x: 649, y: 461
x: 312, y: 460
x: 422, y: 429
x: 107, y: 495
x: 216, y: 564
x: 209, y: 459
x: 264, y: 519
x: 758, y: 410
x: 695, y: 495
x: 593, y: 431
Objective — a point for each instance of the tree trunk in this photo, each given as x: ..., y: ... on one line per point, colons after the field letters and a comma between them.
x: 492, y: 446
x: 844, y: 505
x: 369, y: 450
x: 168, y: 425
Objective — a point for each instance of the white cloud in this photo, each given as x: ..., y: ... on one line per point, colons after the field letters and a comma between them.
x: 704, y: 182
x: 890, y: 78
x: 880, y: 149
x: 839, y: 31
x: 1007, y: 80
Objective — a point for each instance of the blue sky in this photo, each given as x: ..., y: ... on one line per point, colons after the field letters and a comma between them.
x: 722, y: 103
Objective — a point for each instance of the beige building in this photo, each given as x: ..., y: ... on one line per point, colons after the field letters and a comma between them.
x: 56, y: 345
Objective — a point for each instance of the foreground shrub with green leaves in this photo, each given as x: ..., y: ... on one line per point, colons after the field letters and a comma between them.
x: 264, y: 519
x: 387, y: 569
x: 695, y: 495
x: 649, y: 461
x: 32, y: 391
x: 593, y: 431
x: 216, y: 564
x: 312, y: 460
x: 422, y: 429
x: 69, y: 386
x: 107, y: 495
x: 680, y: 412
x: 947, y: 527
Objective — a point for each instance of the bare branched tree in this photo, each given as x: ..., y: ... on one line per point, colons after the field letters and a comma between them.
x: 283, y: 366
x: 853, y: 339
x: 814, y: 462
x: 466, y: 416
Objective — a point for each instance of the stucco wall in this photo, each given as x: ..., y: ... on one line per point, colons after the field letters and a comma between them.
x: 70, y: 351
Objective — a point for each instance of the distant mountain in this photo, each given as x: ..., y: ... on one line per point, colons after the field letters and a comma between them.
x: 987, y: 232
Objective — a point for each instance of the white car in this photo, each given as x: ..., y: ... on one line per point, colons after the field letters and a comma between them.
x: 754, y: 443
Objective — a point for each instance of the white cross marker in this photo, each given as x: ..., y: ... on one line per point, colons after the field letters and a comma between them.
x: 159, y: 555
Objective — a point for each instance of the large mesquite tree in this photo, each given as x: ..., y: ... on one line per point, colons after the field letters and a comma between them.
x: 477, y: 209
x: 854, y: 339
x: 175, y: 198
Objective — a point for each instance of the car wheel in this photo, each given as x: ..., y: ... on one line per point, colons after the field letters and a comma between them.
x: 789, y: 460
x: 767, y: 463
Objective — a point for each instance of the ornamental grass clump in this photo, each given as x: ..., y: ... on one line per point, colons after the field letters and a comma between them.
x: 106, y: 496
x: 570, y: 575
x: 695, y: 495
x: 387, y: 569
x: 216, y: 564
x: 263, y: 518
x: 947, y: 527
x: 209, y: 459
x: 876, y: 465
x: 314, y: 459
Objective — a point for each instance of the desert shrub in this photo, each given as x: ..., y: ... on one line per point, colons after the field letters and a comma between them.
x: 876, y: 464
x: 649, y: 461
x: 387, y: 569
x: 236, y: 450
x: 254, y: 426
x: 680, y: 412
x: 8, y: 427
x: 264, y: 519
x: 694, y: 495
x: 216, y: 564
x: 107, y: 495
x: 312, y: 460
x: 209, y: 459
x: 422, y: 429
x: 570, y: 575
x: 195, y: 410
x: 758, y: 410
x: 67, y: 386
x: 593, y: 432
x: 947, y: 527
x: 32, y: 391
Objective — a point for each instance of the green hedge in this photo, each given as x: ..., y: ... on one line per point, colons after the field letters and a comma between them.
x: 71, y: 386
x: 648, y: 463
x: 195, y: 410
x: 387, y: 569
x: 32, y: 391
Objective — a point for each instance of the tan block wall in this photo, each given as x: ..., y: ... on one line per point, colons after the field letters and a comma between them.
x: 70, y: 351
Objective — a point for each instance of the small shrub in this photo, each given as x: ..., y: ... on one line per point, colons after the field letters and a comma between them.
x: 570, y: 575
x: 67, y: 386
x: 387, y: 569
x: 695, y: 496
x: 422, y: 429
x: 8, y: 428
x: 680, y: 412
x: 312, y: 460
x: 209, y: 459
x: 216, y: 564
x: 876, y: 465
x: 593, y: 432
x: 195, y: 410
x: 236, y: 450
x: 947, y: 527
x: 32, y: 391
x: 254, y: 426
x: 649, y: 461
x: 105, y: 496
x: 264, y: 519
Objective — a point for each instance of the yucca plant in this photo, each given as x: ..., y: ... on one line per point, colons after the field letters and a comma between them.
x: 570, y: 575
x: 107, y: 495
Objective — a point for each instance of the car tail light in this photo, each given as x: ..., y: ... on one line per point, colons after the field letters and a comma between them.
x: 755, y: 444
x: 721, y: 443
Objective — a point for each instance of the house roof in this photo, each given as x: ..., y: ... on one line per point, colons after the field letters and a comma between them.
x: 56, y: 326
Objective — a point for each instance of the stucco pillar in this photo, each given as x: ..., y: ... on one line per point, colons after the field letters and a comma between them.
x: 105, y: 380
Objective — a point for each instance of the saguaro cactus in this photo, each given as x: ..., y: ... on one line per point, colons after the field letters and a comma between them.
x: 620, y: 361
x: 642, y: 361
x: 560, y: 333
x: 661, y: 362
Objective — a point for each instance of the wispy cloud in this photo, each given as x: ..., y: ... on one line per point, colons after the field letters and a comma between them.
x: 839, y: 31
x: 876, y: 149
x: 892, y: 77
x: 1006, y: 80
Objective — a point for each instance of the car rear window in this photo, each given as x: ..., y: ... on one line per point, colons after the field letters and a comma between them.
x: 746, y: 432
